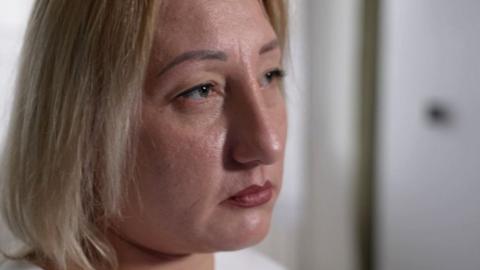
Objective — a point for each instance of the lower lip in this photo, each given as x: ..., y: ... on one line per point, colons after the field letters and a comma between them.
x: 252, y: 200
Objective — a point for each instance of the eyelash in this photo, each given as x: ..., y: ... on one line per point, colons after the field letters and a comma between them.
x: 206, y: 88
x: 269, y: 76
x: 276, y: 73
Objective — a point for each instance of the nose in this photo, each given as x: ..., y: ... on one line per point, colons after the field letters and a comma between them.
x: 258, y: 130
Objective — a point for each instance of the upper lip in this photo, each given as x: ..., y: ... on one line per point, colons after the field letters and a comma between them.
x: 253, y: 189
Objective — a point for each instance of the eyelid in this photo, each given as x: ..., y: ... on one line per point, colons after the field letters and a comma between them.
x: 215, y: 89
x: 196, y: 87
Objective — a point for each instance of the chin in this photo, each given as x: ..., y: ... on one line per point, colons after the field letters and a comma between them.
x: 247, y: 233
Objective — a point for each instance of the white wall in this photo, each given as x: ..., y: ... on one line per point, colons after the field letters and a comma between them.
x: 429, y: 174
x: 13, y: 19
x: 328, y: 236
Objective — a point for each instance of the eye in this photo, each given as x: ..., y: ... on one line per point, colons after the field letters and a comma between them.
x: 272, y: 75
x: 198, y: 92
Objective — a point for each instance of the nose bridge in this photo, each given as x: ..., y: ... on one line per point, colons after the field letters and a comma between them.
x: 258, y: 131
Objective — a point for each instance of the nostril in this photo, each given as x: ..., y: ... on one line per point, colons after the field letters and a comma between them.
x: 245, y: 154
x: 264, y: 151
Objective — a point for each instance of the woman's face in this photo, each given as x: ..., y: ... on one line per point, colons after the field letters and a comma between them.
x: 213, y: 124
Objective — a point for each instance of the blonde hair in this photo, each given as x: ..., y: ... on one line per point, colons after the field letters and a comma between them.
x: 73, y: 125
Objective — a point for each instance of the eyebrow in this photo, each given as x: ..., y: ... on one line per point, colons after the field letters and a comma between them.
x: 195, y: 55
x: 200, y: 55
x: 270, y: 46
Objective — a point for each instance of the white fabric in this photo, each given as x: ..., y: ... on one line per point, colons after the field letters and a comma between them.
x: 238, y: 260
x: 246, y: 259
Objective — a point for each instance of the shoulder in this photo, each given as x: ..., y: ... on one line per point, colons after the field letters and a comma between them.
x: 17, y: 265
x: 245, y: 259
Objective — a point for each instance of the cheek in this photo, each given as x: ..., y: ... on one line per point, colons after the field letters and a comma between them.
x: 178, y: 184
x: 179, y: 168
x: 182, y: 162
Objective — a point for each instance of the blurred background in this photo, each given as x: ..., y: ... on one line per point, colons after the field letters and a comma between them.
x: 383, y: 158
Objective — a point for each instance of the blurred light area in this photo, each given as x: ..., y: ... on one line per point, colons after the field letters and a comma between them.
x: 15, y: 13
x: 13, y: 20
x: 428, y: 211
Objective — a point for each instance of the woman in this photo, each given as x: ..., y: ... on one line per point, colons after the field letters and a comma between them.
x: 146, y: 134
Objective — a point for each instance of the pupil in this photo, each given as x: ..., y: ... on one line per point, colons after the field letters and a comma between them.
x: 269, y: 76
x: 204, y: 91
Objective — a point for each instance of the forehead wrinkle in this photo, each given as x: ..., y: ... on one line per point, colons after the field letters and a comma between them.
x: 174, y: 36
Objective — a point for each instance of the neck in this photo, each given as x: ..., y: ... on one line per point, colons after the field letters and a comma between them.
x: 132, y: 256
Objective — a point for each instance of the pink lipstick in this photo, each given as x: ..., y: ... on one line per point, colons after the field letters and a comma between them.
x: 252, y: 196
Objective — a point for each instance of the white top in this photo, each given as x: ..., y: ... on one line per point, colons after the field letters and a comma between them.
x: 246, y: 259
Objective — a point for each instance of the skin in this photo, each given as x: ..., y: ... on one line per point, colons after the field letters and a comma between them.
x: 198, y: 148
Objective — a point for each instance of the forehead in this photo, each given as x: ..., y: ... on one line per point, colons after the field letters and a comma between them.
x: 226, y: 25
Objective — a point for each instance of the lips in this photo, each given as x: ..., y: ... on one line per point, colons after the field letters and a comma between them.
x: 252, y: 196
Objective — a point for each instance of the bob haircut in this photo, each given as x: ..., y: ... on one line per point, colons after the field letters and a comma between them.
x: 73, y: 125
